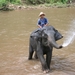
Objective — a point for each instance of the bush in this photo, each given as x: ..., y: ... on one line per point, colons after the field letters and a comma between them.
x: 6, y: 2
x: 44, y: 1
x: 35, y: 1
x: 15, y: 1
x: 3, y: 3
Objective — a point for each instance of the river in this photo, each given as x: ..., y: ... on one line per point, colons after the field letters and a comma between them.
x: 15, y: 28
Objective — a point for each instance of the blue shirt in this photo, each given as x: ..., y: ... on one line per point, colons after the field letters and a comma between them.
x: 42, y: 22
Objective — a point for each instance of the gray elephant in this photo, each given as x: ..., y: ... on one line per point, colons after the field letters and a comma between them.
x: 42, y: 42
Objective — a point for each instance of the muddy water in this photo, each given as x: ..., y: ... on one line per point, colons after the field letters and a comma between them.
x: 15, y: 28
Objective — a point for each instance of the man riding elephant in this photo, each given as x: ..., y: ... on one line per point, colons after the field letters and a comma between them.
x: 42, y: 42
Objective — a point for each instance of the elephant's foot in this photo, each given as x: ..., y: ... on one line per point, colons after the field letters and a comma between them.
x: 46, y: 71
x: 29, y: 58
x: 35, y: 57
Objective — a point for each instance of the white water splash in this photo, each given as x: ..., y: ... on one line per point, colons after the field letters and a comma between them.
x: 69, y: 39
x: 70, y: 35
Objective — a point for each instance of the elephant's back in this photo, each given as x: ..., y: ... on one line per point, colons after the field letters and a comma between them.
x: 48, y: 27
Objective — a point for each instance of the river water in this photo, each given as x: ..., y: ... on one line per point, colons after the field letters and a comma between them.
x: 15, y: 28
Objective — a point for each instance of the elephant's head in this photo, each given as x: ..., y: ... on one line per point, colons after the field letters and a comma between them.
x: 50, y: 35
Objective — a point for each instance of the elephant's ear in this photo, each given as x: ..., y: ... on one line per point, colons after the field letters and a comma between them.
x: 58, y: 35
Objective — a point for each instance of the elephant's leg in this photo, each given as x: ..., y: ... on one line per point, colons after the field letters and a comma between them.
x: 43, y: 62
x: 41, y: 57
x: 48, y: 58
x: 30, y: 52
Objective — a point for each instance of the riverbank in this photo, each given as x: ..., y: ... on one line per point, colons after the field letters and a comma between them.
x: 41, y: 6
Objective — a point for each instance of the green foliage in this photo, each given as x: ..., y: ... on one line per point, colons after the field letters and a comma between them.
x: 64, y: 1
x: 6, y: 2
x: 3, y: 3
x: 45, y: 1
x: 33, y: 2
x: 15, y: 1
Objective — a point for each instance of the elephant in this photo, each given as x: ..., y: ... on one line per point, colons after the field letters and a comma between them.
x: 42, y: 41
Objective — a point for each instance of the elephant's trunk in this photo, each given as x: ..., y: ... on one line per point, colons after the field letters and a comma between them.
x: 53, y: 42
